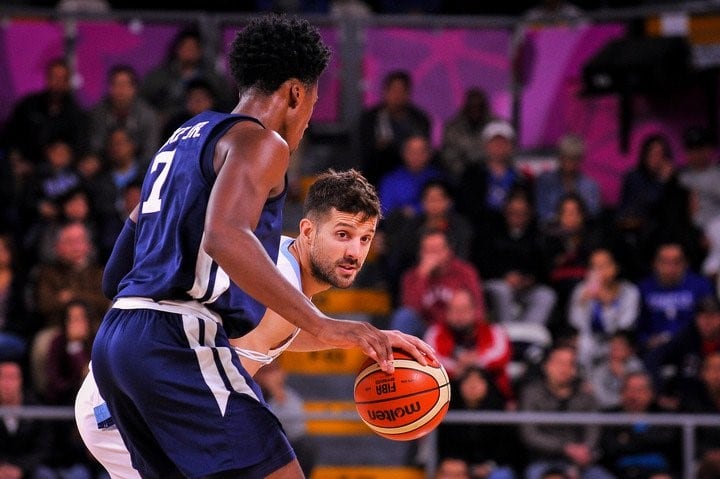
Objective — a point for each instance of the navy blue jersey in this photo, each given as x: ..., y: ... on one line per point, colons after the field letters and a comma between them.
x: 169, y: 261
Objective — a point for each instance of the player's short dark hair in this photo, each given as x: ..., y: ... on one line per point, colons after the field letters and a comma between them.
x: 346, y: 191
x: 274, y: 48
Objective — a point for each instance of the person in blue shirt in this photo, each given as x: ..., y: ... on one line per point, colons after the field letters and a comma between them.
x: 550, y: 186
x: 401, y: 189
x: 669, y: 297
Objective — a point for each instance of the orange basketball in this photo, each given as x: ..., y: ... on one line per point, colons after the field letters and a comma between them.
x: 405, y: 405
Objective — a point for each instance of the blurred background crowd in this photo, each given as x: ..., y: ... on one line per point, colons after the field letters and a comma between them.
x: 546, y: 278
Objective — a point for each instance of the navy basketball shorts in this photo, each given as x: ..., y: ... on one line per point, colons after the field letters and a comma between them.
x: 181, y: 400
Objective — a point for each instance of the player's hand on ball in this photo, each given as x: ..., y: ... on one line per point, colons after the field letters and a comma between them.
x: 414, y: 346
x: 348, y: 334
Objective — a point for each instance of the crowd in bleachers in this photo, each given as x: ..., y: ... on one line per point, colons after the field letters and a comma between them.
x: 536, y: 295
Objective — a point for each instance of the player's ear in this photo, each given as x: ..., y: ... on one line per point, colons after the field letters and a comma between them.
x: 296, y: 91
x: 306, y: 229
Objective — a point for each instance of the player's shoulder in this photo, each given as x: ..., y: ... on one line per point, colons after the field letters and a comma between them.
x: 286, y: 262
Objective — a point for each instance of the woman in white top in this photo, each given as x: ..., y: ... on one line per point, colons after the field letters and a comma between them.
x: 600, y: 305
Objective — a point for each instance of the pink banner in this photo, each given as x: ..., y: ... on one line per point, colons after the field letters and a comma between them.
x: 443, y: 63
x: 103, y: 44
x: 552, y: 104
x: 26, y: 47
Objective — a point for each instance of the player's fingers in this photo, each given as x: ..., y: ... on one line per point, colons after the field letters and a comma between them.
x: 382, y: 346
x: 417, y: 348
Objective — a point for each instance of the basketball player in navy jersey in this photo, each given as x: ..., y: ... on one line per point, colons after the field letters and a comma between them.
x: 209, y: 216
x: 340, y: 219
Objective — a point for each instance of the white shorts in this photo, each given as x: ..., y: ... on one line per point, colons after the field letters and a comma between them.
x: 105, y: 444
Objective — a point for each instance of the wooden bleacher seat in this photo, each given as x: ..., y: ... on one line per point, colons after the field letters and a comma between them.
x: 367, y: 472
x: 354, y: 300
x: 330, y: 361
x: 335, y: 427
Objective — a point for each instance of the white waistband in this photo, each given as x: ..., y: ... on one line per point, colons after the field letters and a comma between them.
x: 178, y: 307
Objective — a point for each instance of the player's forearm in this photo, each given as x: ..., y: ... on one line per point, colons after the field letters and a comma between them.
x: 307, y: 342
x: 243, y: 258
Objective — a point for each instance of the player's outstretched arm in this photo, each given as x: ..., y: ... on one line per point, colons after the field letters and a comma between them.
x: 251, y: 164
x: 416, y: 347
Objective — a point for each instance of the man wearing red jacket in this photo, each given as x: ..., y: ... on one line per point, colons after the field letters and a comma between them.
x: 426, y: 288
x: 465, y: 339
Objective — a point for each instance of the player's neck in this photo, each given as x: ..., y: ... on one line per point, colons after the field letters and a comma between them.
x: 269, y: 109
x: 310, y: 285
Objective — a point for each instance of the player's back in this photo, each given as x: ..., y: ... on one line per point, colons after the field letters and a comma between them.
x: 170, y: 263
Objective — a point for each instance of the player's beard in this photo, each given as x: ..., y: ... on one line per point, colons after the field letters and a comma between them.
x: 326, y: 271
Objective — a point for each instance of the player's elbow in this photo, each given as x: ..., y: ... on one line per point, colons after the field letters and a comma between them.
x: 214, y: 243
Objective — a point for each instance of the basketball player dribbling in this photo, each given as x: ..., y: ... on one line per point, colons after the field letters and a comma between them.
x: 340, y: 218
x: 210, y: 216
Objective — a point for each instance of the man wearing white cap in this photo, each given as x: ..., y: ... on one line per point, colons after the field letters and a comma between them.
x: 484, y: 188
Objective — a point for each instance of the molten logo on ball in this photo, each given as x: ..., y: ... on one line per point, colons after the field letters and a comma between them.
x: 392, y: 414
x: 405, y: 405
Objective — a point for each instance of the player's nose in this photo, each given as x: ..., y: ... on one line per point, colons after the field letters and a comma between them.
x: 353, y: 249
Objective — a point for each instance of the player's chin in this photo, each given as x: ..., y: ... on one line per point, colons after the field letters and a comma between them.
x: 344, y: 280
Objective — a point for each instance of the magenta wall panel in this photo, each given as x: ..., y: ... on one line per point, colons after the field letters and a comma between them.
x: 102, y: 44
x: 443, y: 64
x: 26, y: 46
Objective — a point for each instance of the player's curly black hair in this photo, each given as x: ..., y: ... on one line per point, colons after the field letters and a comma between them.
x: 274, y: 48
x: 346, y: 191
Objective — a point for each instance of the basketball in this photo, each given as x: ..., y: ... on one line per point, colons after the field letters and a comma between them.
x: 405, y: 405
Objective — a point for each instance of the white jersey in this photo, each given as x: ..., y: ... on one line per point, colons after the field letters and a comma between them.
x: 106, y: 444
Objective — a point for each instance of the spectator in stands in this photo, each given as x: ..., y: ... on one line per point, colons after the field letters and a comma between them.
x: 643, y: 193
x: 73, y: 206
x: 122, y: 107
x: 509, y: 258
x: 400, y: 189
x: 487, y: 448
x: 199, y: 97
x: 50, y: 114
x: 25, y: 444
x: 125, y: 164
x: 602, y: 304
x: 701, y: 175
x: 669, y: 297
x: 639, y: 449
x: 384, y: 128
x: 676, y: 364
x: 484, y: 187
x: 703, y: 397
x: 452, y: 468
x: 16, y: 327
x: 566, y: 246
x: 74, y: 275
x: 55, y: 177
x: 165, y: 86
x: 572, y: 448
x: 606, y: 378
x: 465, y: 339
x: 426, y: 287
x: 567, y: 178
x: 289, y: 407
x: 437, y: 213
x: 69, y: 355
x: 462, y: 143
